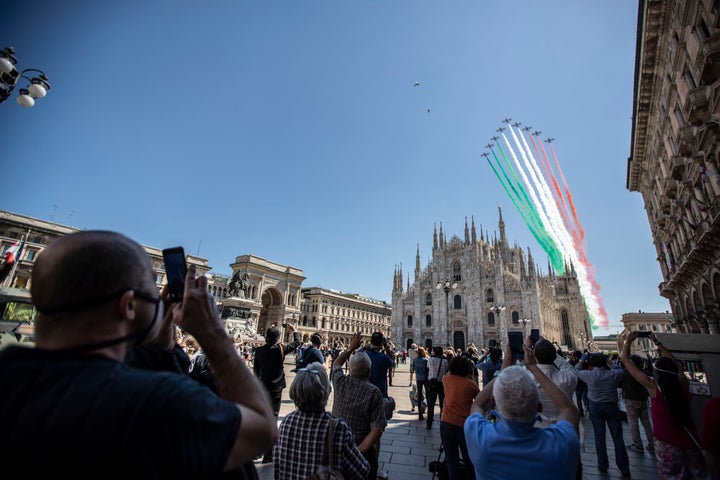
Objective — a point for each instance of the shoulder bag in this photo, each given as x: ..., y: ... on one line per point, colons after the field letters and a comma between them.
x: 433, y: 385
x: 326, y: 470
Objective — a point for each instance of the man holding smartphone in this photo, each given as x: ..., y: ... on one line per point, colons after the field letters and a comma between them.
x: 89, y: 414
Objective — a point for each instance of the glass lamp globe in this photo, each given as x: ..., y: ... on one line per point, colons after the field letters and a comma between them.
x: 6, y: 65
x: 37, y: 90
x: 25, y: 100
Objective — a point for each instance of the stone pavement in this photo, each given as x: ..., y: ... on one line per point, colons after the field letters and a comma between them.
x: 407, y: 447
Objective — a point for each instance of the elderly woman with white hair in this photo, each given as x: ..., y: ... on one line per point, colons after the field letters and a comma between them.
x: 496, y: 444
x: 304, y: 433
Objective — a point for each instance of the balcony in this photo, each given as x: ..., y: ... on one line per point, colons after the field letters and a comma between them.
x: 697, y: 104
x: 677, y: 167
x: 710, y: 56
x: 686, y: 140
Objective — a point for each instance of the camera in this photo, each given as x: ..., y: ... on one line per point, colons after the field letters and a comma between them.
x: 284, y: 325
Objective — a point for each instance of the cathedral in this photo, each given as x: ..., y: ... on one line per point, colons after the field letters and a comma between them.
x: 476, y: 290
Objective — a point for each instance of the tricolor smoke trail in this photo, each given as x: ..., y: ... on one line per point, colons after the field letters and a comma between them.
x: 522, y: 165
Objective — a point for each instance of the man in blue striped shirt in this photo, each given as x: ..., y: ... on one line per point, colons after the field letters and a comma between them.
x: 602, y: 383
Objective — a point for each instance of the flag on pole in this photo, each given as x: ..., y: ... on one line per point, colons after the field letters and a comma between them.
x: 12, y: 254
x: 11, y: 257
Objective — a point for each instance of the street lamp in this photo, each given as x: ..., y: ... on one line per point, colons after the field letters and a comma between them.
x: 496, y: 309
x: 525, y: 322
x: 446, y: 287
x: 10, y: 76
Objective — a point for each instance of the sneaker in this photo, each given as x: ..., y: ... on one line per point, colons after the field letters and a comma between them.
x: 382, y: 475
x: 635, y: 448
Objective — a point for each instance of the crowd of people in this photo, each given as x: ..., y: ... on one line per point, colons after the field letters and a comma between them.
x: 112, y: 389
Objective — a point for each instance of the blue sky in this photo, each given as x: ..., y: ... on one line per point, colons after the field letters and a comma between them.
x: 292, y: 130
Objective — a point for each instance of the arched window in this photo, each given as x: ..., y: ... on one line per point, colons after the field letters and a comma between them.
x: 457, y: 276
x: 490, y: 296
x: 515, y: 318
x: 491, y: 318
x: 457, y: 302
x: 409, y: 320
x: 428, y: 320
x: 428, y: 299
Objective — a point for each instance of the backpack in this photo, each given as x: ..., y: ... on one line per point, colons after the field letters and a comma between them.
x: 301, y: 358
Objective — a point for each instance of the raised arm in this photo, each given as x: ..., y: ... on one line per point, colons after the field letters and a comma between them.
x: 345, y: 354
x: 637, y: 374
x: 236, y: 383
x: 568, y: 410
x: 483, y: 401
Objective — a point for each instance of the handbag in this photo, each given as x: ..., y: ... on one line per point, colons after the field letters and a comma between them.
x: 389, y: 407
x: 433, y: 385
x: 326, y: 470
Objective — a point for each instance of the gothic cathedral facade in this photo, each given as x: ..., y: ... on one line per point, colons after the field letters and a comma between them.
x: 476, y: 290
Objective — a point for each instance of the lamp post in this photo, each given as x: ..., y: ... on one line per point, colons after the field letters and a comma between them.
x: 496, y: 309
x: 446, y: 286
x: 10, y: 76
x: 525, y: 322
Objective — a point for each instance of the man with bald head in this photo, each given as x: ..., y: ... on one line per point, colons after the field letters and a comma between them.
x: 72, y: 406
x: 512, y: 446
x: 359, y: 402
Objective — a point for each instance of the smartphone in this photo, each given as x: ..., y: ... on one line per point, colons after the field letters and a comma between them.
x: 493, y: 343
x: 534, y: 335
x: 516, y: 344
x: 644, y: 334
x: 175, y: 269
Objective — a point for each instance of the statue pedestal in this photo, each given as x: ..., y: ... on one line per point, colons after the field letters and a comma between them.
x: 239, y: 321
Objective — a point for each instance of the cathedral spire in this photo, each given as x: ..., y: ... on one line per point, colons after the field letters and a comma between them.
x: 442, y: 237
x: 435, y: 238
x: 467, y: 233
x: 417, y: 263
x: 473, y: 234
x: 501, y: 225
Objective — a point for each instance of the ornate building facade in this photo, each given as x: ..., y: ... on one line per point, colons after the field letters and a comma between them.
x: 674, y: 152
x: 478, y: 289
x: 647, y: 322
x: 339, y: 315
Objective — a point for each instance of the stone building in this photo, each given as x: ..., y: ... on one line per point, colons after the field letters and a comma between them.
x: 674, y: 152
x: 647, y: 322
x: 339, y: 315
x: 37, y: 234
x: 476, y: 289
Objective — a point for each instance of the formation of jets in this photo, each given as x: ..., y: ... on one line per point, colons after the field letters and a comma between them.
x: 507, y: 121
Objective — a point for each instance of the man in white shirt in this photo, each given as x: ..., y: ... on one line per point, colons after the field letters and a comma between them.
x: 560, y: 372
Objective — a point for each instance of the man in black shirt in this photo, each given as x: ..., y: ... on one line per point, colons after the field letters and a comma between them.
x: 268, y: 366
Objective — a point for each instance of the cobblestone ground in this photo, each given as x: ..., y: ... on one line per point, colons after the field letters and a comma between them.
x: 407, y: 447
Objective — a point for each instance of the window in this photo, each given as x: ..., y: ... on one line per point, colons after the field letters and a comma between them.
x: 490, y: 296
x: 428, y: 299
x: 457, y: 276
x: 428, y: 320
x: 457, y: 302
x: 515, y: 318
x: 409, y: 320
x: 491, y: 319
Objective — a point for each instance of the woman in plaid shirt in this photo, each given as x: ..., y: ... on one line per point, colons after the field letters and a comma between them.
x: 303, y: 433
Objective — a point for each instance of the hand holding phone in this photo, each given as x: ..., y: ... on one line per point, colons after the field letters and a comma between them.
x: 515, y: 340
x: 534, y: 335
x: 175, y: 270
x: 643, y: 334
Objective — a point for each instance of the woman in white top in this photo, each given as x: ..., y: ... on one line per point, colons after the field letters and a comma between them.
x: 437, y: 368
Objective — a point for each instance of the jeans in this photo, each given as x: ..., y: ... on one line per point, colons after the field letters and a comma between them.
x: 602, y: 413
x: 432, y: 398
x: 637, y: 410
x: 453, y: 440
x: 421, y: 396
x: 581, y: 397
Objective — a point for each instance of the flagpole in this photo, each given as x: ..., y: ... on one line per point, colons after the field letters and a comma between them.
x: 11, y: 277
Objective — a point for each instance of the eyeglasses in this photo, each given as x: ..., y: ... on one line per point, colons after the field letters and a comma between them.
x: 314, y: 372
